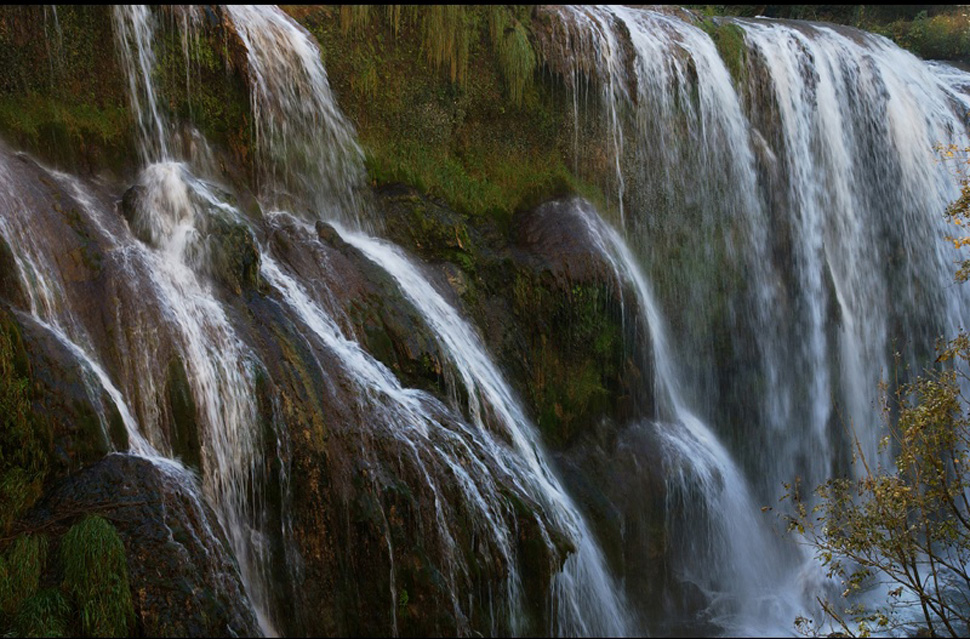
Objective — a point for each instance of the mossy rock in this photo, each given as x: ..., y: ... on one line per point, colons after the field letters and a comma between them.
x: 25, y: 437
x: 140, y: 553
x: 79, y: 432
x: 545, y: 299
x: 235, y: 258
x: 729, y: 40
x: 487, y: 142
x: 61, y: 97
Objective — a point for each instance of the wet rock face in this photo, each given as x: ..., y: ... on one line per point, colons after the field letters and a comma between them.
x: 545, y: 299
x: 374, y: 557
x: 185, y: 427
x: 183, y: 579
x: 234, y: 256
x: 368, y: 301
x: 560, y: 243
x: 617, y: 475
x: 10, y: 288
x: 84, y: 425
x: 355, y: 511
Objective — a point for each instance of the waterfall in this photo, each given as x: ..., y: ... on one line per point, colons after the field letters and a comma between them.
x: 806, y: 173
x: 306, y: 147
x: 728, y: 552
x: 55, y: 44
x: 278, y: 49
x: 775, y: 237
x: 866, y: 198
x: 309, y: 158
x: 586, y: 599
x: 135, y: 35
x: 171, y: 217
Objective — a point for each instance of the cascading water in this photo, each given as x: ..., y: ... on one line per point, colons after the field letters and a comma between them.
x: 169, y: 216
x: 728, y: 553
x: 586, y: 602
x: 48, y: 301
x: 777, y: 235
x: 805, y: 175
x: 134, y: 32
x: 306, y: 147
x: 868, y: 197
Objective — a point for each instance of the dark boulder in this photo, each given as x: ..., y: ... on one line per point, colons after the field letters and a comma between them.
x: 182, y: 576
x: 560, y: 241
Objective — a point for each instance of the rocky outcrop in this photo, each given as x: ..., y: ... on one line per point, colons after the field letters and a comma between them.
x: 385, y: 535
x: 183, y: 579
x: 545, y: 299
x: 551, y: 310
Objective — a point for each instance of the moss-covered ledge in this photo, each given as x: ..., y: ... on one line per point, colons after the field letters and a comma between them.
x: 452, y: 102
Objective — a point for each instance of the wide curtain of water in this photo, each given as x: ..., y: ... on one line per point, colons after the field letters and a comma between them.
x: 784, y: 196
x: 775, y: 226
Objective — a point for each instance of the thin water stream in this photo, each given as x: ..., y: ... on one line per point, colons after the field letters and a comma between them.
x: 778, y: 235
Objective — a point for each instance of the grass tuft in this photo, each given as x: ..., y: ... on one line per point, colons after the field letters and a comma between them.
x: 96, y: 575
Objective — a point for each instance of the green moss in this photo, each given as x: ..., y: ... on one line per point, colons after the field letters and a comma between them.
x: 199, y: 82
x: 96, y: 576
x: 63, y: 98
x: 21, y: 567
x: 469, y: 183
x: 729, y: 40
x: 24, y: 435
x: 488, y: 140
x: 516, y: 57
x: 92, y: 560
x: 25, y: 609
x: 576, y: 355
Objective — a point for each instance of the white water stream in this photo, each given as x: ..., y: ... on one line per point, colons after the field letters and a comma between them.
x: 781, y: 231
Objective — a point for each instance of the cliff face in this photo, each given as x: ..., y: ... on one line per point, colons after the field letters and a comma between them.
x: 364, y: 532
x: 447, y: 320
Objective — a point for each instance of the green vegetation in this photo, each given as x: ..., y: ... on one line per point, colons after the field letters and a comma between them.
x: 201, y: 78
x: 729, y: 40
x: 96, y: 575
x: 24, y: 436
x: 25, y: 609
x: 20, y: 571
x: 61, y: 96
x: 940, y: 37
x: 445, y: 98
x: 92, y: 555
x: 488, y: 140
x: 45, y: 614
x: 905, y: 528
x: 938, y: 32
x: 516, y: 58
x: 94, y: 598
